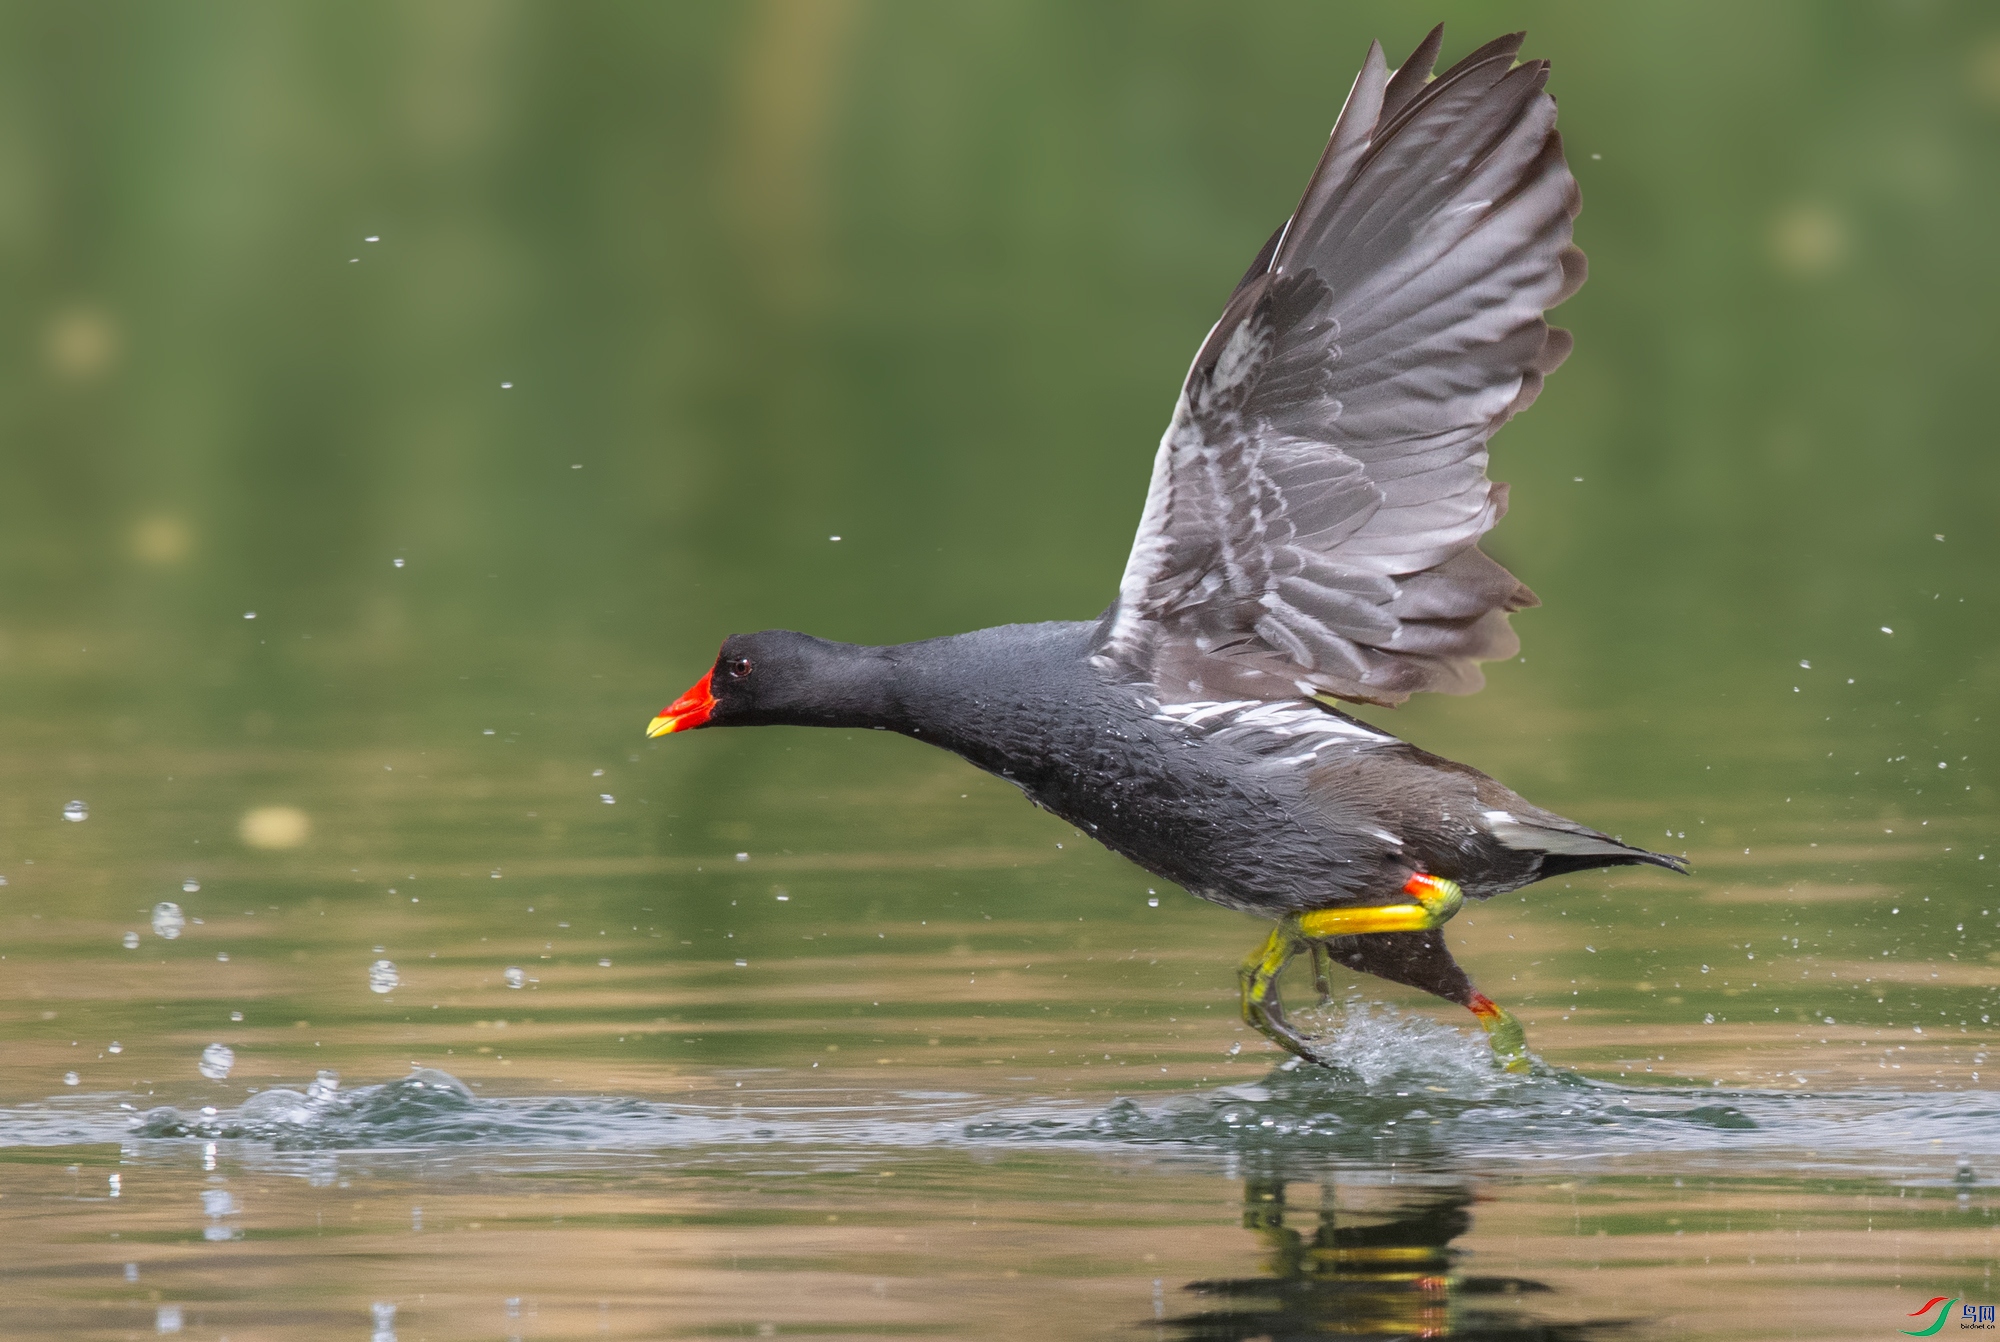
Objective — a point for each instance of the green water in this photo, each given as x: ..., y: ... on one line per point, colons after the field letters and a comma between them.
x: 824, y: 1032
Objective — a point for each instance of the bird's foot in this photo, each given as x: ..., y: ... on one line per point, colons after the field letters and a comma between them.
x: 1322, y: 961
x: 1263, y: 1011
x: 1503, y: 1032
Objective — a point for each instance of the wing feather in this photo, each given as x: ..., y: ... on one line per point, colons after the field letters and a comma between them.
x: 1317, y: 501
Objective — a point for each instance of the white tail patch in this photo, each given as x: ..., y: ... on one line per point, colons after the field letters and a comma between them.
x: 1527, y: 838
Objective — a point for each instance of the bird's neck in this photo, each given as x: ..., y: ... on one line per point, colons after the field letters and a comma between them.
x: 990, y: 696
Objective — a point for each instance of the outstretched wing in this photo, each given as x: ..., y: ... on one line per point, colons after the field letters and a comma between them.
x: 1317, y: 502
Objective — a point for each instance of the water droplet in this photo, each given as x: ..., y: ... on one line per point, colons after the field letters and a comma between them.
x: 76, y: 811
x: 115, y: 1184
x: 249, y: 614
x: 496, y: 873
x: 382, y: 977
x: 167, y: 1319
x: 190, y: 885
x: 114, y: 1047
x: 607, y: 799
x: 1887, y: 630
x: 216, y: 1060
x: 515, y: 977
x: 398, y: 562
x: 487, y: 732
x: 1709, y: 1019
x: 743, y: 857
x: 833, y: 538
x: 1805, y: 664
x: 506, y: 386
x: 784, y: 899
x: 222, y: 957
x: 168, y: 920
x: 323, y: 1086
x: 71, y: 1079
x: 131, y: 941
x: 1234, y: 1049
x: 1153, y: 902
x: 742, y: 964
x: 384, y: 1314
x: 604, y: 964
x: 371, y: 239
x: 597, y: 773
x: 236, y: 1016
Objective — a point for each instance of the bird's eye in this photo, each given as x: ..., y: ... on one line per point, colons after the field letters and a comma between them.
x: 736, y: 668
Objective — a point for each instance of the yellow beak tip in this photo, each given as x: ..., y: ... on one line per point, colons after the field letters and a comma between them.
x: 659, y: 726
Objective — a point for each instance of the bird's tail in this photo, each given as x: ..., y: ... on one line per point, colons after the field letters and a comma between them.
x: 1566, y: 846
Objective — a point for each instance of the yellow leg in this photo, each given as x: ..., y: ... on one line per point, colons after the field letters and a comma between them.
x: 1322, y: 959
x: 1434, y: 902
x: 1262, y: 1010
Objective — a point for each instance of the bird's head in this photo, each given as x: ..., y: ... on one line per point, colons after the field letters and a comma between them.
x: 779, y: 677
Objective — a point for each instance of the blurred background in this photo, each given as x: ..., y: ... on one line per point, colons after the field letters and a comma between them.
x: 400, y: 401
x: 504, y: 357
x: 430, y: 387
x: 603, y: 319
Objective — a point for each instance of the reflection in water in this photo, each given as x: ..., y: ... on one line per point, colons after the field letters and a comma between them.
x: 1370, y: 1270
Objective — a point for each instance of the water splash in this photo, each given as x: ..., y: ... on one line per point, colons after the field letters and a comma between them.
x: 216, y: 1061
x: 426, y: 1107
x: 382, y: 977
x: 168, y: 920
x: 1407, y: 1087
x: 1404, y: 1089
x: 76, y: 811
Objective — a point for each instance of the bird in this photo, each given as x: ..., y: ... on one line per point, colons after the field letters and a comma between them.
x: 1310, y: 536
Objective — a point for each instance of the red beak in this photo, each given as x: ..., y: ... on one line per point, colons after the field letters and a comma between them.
x: 689, y: 711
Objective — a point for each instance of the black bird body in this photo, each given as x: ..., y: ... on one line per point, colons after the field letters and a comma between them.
x: 1271, y: 807
x: 1311, y: 532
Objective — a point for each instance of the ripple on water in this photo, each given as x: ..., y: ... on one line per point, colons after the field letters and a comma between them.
x: 426, y: 1107
x: 1404, y: 1087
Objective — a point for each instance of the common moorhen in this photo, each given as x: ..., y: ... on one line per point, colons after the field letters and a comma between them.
x: 1311, y: 533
